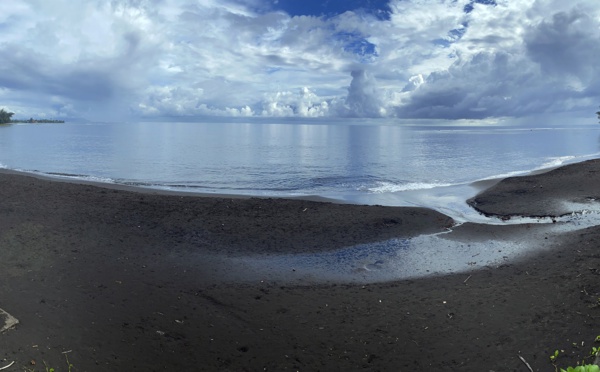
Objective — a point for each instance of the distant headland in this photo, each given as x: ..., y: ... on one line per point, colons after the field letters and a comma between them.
x: 32, y: 120
x: 6, y: 118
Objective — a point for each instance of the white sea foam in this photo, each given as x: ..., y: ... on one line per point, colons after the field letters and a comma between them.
x: 388, y: 187
x: 504, y: 175
x: 98, y: 179
x: 78, y: 177
x: 551, y: 162
x: 557, y: 161
x: 554, y: 162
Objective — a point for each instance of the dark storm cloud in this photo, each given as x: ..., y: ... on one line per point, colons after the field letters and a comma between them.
x: 23, y: 70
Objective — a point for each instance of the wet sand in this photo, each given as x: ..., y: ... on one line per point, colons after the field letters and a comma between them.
x: 554, y: 193
x: 114, y: 280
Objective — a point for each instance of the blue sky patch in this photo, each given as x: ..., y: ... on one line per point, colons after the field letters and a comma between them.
x: 331, y: 8
x: 272, y: 70
x: 469, y: 7
x: 356, y: 44
x: 453, y: 36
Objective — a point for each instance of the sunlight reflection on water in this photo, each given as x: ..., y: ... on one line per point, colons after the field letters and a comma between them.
x: 408, y: 258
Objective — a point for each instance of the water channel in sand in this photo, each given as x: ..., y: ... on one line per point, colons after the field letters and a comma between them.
x: 447, y: 252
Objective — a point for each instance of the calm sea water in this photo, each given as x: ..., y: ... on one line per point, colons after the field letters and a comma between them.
x: 365, y: 162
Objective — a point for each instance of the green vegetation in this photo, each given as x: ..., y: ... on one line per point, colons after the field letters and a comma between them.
x: 5, y: 116
x: 594, y: 353
x: 50, y: 369
x: 587, y: 368
x: 70, y: 366
x: 32, y: 120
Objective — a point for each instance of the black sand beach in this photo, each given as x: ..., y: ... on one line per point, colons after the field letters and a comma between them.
x: 110, y: 278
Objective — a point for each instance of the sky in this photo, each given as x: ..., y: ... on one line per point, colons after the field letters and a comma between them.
x: 440, y: 59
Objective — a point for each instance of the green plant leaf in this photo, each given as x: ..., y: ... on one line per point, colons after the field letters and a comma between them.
x: 586, y: 368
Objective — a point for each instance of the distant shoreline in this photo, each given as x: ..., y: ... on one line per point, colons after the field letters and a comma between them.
x: 36, y: 121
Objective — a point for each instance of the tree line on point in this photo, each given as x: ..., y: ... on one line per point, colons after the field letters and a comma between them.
x: 6, y: 117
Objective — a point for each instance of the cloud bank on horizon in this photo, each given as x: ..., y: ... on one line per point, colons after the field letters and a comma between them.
x: 287, y: 58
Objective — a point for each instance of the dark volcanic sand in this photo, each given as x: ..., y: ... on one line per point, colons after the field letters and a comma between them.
x: 101, y: 273
x: 543, y: 194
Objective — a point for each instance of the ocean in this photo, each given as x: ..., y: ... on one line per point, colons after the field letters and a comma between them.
x: 424, y: 163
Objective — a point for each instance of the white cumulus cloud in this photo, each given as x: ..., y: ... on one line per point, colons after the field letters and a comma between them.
x: 425, y: 58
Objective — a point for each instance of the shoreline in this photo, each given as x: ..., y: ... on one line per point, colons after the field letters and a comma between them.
x: 558, y: 192
x: 113, y: 277
x: 158, y: 191
x: 411, y: 198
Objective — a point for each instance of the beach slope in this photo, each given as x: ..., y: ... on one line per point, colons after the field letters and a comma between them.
x: 111, y: 279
